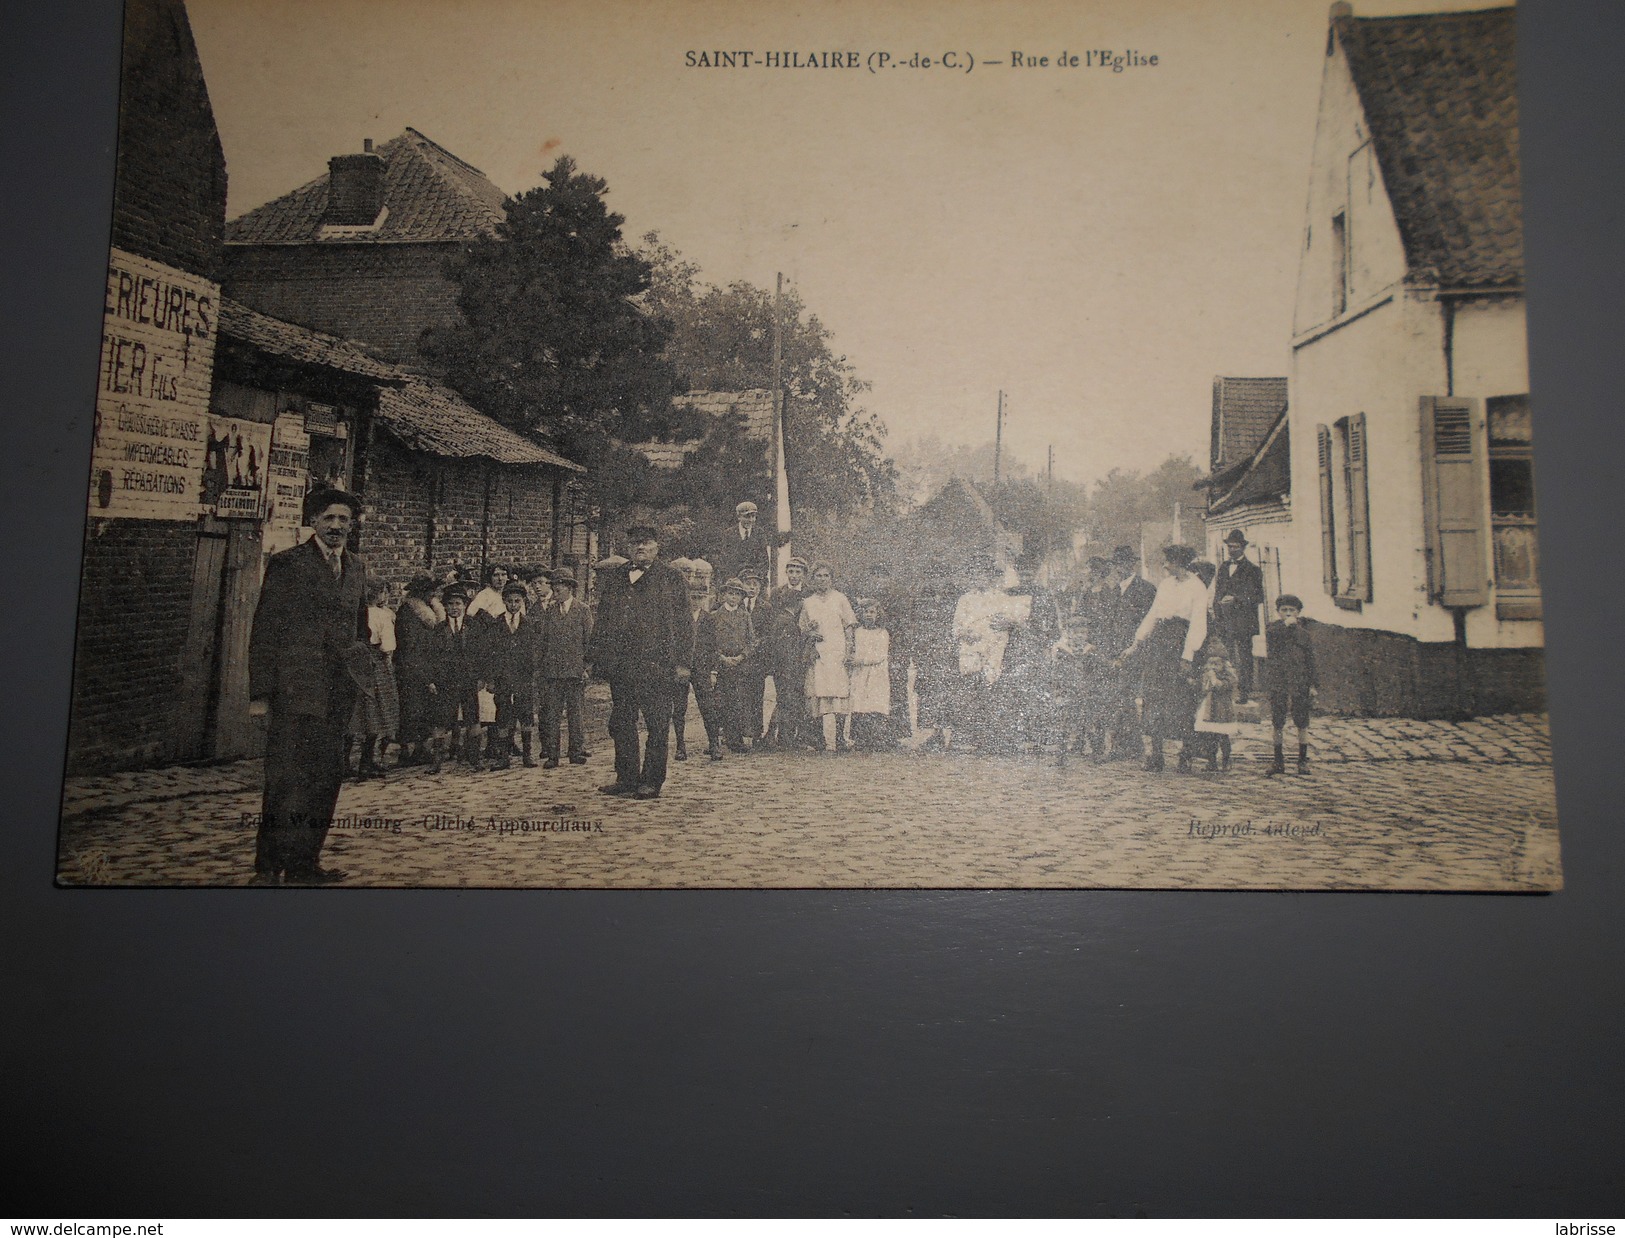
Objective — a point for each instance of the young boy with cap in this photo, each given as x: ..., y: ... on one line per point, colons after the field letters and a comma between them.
x: 1290, y: 682
x: 562, y: 669
x: 460, y: 664
x: 513, y: 641
x: 724, y: 642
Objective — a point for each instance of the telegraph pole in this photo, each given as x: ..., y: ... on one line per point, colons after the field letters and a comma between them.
x: 998, y: 439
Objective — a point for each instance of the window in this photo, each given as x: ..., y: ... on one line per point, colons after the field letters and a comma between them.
x: 1512, y: 508
x: 1340, y: 263
x: 1453, y: 503
x: 1345, y: 512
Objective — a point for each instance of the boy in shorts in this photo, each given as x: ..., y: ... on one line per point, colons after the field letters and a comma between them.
x: 1289, y: 678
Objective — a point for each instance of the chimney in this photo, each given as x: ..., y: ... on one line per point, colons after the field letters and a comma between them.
x: 355, y: 188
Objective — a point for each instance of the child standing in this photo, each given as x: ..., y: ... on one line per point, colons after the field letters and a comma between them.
x: 562, y: 669
x: 376, y: 718
x: 1289, y: 678
x: 1087, y: 684
x: 724, y: 640
x: 510, y: 667
x: 871, y: 679
x: 1216, y: 716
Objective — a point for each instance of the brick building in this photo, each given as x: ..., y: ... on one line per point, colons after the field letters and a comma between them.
x: 152, y: 395
x: 213, y: 420
x: 361, y: 251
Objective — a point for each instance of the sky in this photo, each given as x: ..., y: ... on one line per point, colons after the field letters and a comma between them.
x: 1098, y: 245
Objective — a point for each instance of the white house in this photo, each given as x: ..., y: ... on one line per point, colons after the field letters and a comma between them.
x: 1412, y: 533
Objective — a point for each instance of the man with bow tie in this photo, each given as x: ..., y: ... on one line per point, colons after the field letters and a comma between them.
x: 643, y: 645
x: 1238, y: 592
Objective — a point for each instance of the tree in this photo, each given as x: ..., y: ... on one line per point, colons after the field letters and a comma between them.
x: 722, y: 340
x: 552, y: 337
x: 1123, y: 501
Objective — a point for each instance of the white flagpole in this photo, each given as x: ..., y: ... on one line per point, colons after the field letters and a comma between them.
x: 781, y: 476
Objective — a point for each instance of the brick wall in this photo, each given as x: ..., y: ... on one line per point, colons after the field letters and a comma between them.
x: 134, y: 611
x: 402, y: 488
x: 383, y: 295
x: 170, y: 194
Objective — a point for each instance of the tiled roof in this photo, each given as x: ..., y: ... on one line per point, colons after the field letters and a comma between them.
x: 429, y: 195
x: 431, y: 418
x: 1439, y: 92
x: 296, y: 343
x: 1266, y: 475
x: 756, y: 406
x: 1244, y: 409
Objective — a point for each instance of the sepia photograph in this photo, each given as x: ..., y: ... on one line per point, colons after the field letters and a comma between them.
x: 886, y: 447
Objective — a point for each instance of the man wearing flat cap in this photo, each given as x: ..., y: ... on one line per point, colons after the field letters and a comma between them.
x: 743, y: 546
x: 307, y: 657
x: 644, y: 646
x: 1238, y: 592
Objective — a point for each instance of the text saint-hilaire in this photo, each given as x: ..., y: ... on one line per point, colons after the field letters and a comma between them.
x: 772, y: 60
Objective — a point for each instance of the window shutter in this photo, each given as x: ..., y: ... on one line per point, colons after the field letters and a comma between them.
x: 1328, y: 533
x: 1453, y: 504
x: 1359, y: 512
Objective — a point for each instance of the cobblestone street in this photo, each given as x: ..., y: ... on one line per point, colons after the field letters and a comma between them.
x: 1390, y: 804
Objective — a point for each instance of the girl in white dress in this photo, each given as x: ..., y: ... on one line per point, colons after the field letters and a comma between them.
x: 871, y: 678
x: 827, y: 616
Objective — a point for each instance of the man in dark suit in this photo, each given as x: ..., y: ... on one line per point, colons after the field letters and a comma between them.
x: 643, y: 644
x: 743, y: 547
x: 307, y: 654
x: 1126, y: 602
x: 1238, y: 592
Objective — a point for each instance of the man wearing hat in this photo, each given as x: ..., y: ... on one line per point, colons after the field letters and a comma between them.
x: 644, y: 646
x: 1127, y: 600
x: 758, y: 666
x: 743, y: 546
x: 562, y: 669
x: 513, y: 643
x: 1238, y: 592
x: 460, y: 659
x: 307, y: 655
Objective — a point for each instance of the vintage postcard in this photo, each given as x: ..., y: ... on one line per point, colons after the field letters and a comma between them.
x: 737, y: 445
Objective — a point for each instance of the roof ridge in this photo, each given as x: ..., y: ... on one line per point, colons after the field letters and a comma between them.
x: 458, y: 159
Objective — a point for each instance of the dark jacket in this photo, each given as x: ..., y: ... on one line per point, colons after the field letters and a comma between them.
x: 644, y: 626
x: 720, y: 633
x: 308, y: 646
x: 460, y: 657
x: 1242, y: 580
x: 566, y: 638
x: 733, y: 554
x: 1121, y: 613
x: 414, y: 644
x: 510, y: 657
x: 1289, y: 659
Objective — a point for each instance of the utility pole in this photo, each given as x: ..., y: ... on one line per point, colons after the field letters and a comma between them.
x: 1050, y: 474
x: 998, y: 440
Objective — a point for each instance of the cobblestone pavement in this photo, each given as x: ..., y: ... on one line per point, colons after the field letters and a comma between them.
x: 1391, y: 804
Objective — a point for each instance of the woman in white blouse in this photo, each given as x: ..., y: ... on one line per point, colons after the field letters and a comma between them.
x: 1167, y: 641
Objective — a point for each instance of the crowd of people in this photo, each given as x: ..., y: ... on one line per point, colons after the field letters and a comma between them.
x: 1109, y: 666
